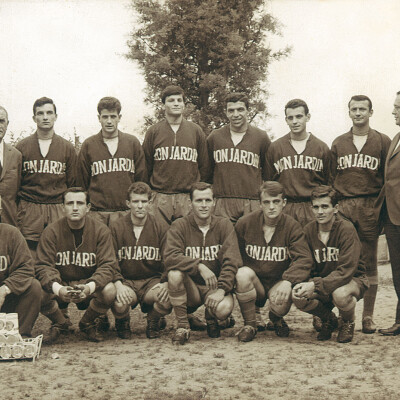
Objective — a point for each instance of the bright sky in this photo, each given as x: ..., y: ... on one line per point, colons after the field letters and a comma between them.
x: 72, y: 51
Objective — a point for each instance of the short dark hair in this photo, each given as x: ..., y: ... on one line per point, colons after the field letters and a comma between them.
x: 235, y: 97
x: 360, y: 97
x: 325, y: 191
x: 200, y: 186
x: 272, y: 188
x: 297, y: 103
x: 2, y: 108
x: 109, y: 103
x: 172, y: 90
x: 398, y: 92
x: 41, y: 102
x: 76, y: 189
x: 138, y: 188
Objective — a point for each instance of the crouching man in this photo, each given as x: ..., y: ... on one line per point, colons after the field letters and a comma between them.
x: 338, y: 275
x: 202, y: 257
x: 139, y: 241
x: 76, y: 263
x: 276, y: 257
x: 19, y: 291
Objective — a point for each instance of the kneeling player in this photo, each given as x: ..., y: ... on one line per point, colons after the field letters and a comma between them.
x: 76, y: 263
x: 276, y: 257
x: 202, y: 257
x: 338, y: 276
x: 138, y: 241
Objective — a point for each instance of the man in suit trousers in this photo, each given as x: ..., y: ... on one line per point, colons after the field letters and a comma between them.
x: 388, y: 204
x: 10, y: 174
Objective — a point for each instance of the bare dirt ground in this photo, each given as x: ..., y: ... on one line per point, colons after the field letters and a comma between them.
x: 268, y: 368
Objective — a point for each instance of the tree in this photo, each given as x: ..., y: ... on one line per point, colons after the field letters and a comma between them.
x: 209, y: 48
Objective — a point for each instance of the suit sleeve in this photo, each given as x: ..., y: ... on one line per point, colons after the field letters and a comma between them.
x: 299, y: 253
x: 21, y: 269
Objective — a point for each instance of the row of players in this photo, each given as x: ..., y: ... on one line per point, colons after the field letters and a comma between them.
x: 235, y: 158
x: 200, y: 259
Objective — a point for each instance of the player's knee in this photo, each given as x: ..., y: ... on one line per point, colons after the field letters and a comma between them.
x: 342, y: 297
x: 120, y: 309
x: 244, y: 278
x: 175, y: 279
x: 35, y: 290
x: 281, y: 309
x: 224, y: 308
x: 108, y: 293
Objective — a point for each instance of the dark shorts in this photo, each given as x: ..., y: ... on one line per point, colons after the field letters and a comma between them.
x: 234, y: 208
x: 301, y: 212
x: 171, y: 206
x: 32, y: 218
x: 267, y: 285
x: 141, y: 287
x: 196, y: 294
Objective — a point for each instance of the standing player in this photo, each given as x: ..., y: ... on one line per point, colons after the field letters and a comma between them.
x: 109, y: 162
x: 338, y: 276
x: 275, y: 258
x: 76, y: 263
x: 358, y: 168
x: 10, y: 174
x: 138, y: 241
x: 388, y: 207
x: 202, y: 257
x: 48, y: 169
x: 299, y: 161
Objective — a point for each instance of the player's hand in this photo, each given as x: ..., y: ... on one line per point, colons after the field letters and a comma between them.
x: 209, y: 277
x: 3, y: 295
x: 304, y: 289
x: 65, y: 294
x: 162, y: 292
x: 282, y: 293
x: 125, y: 294
x: 85, y: 292
x: 214, y: 299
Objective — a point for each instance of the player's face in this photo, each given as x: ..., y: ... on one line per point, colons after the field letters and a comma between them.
x: 139, y: 205
x: 396, y: 110
x: 238, y: 115
x: 109, y: 120
x: 45, y: 117
x: 75, y: 207
x: 203, y: 204
x: 360, y: 113
x: 272, y: 206
x: 323, y: 210
x: 174, y: 105
x: 3, y: 123
x: 297, y: 119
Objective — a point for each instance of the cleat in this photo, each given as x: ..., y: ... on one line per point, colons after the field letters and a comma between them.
x: 368, y: 325
x: 196, y: 324
x: 91, y: 331
x: 281, y: 328
x: 346, y: 332
x: 328, y: 327
x: 181, y: 336
x: 213, y: 329
x: 162, y: 323
x: 103, y: 324
x: 153, y: 328
x: 123, y: 328
x: 247, y: 333
x: 227, y: 323
x: 57, y: 329
x: 317, y: 323
x: 392, y: 331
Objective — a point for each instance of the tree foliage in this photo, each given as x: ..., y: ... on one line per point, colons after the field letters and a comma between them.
x: 209, y: 48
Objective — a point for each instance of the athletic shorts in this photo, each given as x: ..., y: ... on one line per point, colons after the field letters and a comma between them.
x: 301, y: 212
x: 267, y: 285
x: 141, y: 287
x: 106, y: 217
x: 361, y: 282
x: 171, y: 206
x: 32, y: 218
x: 234, y: 208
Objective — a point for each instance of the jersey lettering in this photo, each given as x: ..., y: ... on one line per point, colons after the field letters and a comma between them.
x: 3, y: 263
x: 358, y: 160
x: 238, y: 156
x: 181, y: 153
x: 79, y: 259
x: 148, y: 253
x: 207, y: 253
x: 44, y: 167
x: 113, y: 165
x: 326, y: 254
x: 299, y: 161
x: 269, y: 253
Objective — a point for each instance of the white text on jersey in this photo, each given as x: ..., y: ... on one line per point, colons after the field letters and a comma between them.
x: 299, y: 161
x: 175, y: 153
x: 139, y: 253
x: 113, y: 165
x: 44, y: 167
x: 269, y: 253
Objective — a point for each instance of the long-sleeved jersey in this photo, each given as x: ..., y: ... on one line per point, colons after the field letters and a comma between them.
x: 59, y: 260
x: 45, y: 179
x: 359, y: 173
x: 106, y: 177
x: 238, y: 171
x: 339, y: 260
x: 16, y: 264
x: 139, y: 258
x: 299, y: 173
x: 286, y: 256
x: 187, y: 246
x: 176, y: 160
